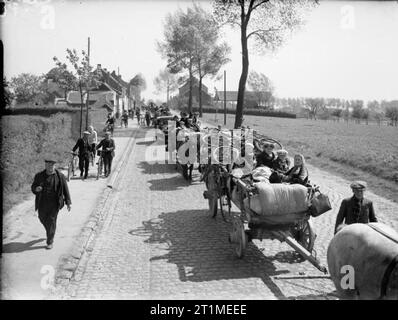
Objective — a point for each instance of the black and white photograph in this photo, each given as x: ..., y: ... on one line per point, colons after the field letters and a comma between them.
x: 223, y: 151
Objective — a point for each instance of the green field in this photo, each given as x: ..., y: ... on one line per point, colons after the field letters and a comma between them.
x: 348, y: 149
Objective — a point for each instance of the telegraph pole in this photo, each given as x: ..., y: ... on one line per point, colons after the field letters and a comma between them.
x: 225, y: 98
x: 88, y: 84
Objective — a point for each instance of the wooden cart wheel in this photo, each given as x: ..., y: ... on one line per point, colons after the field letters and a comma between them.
x: 305, y: 235
x: 240, y: 238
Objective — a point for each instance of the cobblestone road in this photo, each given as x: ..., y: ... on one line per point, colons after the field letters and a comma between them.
x: 158, y: 241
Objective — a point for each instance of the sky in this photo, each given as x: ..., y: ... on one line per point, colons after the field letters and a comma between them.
x: 347, y: 49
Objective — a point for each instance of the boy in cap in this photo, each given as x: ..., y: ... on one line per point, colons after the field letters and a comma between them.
x: 85, y: 149
x: 51, y: 190
x: 356, y: 209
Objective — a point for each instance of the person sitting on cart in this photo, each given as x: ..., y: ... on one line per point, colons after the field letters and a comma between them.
x: 298, y: 174
x: 280, y: 166
x: 267, y: 156
x: 356, y: 209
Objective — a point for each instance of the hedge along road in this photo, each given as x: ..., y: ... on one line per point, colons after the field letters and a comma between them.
x: 157, y: 241
x: 25, y: 263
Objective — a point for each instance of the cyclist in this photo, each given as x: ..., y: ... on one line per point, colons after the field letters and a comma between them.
x: 125, y: 118
x: 108, y: 148
x: 110, y: 122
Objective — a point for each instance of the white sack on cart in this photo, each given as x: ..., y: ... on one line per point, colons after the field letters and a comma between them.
x: 278, y: 199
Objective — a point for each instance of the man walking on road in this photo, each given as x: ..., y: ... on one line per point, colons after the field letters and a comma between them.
x: 108, y: 146
x: 84, y: 153
x: 356, y: 209
x: 51, y: 190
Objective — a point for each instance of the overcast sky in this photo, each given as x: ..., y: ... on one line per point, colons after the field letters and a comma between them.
x: 346, y: 50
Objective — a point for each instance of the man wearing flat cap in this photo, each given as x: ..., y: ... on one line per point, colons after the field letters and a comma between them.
x: 108, y: 146
x: 52, y: 193
x: 356, y: 209
x: 85, y: 148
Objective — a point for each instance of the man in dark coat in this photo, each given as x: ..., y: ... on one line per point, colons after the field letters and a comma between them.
x: 85, y: 149
x: 51, y: 190
x: 108, y: 146
x: 356, y: 209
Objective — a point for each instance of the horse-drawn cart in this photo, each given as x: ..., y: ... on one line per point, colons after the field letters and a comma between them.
x: 263, y: 219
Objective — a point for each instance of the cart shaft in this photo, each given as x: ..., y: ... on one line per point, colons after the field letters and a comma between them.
x: 304, y: 253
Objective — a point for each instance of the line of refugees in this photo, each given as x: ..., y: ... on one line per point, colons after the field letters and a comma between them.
x: 147, y: 115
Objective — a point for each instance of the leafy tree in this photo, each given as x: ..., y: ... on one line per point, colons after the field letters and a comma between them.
x: 392, y: 112
x: 313, y: 106
x: 178, y: 47
x: 166, y: 81
x: 137, y: 85
x: 357, y: 110
x: 267, y: 22
x: 337, y: 113
x: 26, y: 87
x: 63, y: 77
x: 84, y: 77
x: 209, y: 55
x: 8, y: 96
x: 262, y: 87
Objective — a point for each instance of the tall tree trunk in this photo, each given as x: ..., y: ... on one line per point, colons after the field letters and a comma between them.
x: 190, y: 87
x: 200, y: 96
x: 243, y: 78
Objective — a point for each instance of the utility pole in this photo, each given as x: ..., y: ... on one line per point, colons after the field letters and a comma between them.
x: 225, y: 98
x: 88, y: 84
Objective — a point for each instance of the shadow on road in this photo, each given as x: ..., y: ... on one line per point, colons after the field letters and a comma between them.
x: 199, y: 247
x: 15, y: 247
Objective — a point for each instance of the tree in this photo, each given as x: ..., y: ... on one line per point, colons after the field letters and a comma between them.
x: 178, y: 46
x: 392, y: 112
x: 337, y: 113
x: 313, y: 106
x: 209, y: 55
x: 63, y: 77
x: 137, y: 85
x: 83, y: 78
x: 357, y: 110
x: 267, y: 21
x: 166, y: 81
x: 262, y: 87
x: 26, y: 87
x: 8, y: 96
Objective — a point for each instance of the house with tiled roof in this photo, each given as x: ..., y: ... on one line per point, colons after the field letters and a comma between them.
x: 183, y: 91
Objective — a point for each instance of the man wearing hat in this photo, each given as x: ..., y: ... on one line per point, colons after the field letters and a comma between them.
x: 84, y: 153
x: 51, y: 190
x: 108, y: 146
x: 356, y: 209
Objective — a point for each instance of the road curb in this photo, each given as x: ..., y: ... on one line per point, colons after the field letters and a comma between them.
x: 72, y: 263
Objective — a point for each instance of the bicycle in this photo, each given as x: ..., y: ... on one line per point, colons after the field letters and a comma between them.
x: 100, y: 163
x: 72, y: 165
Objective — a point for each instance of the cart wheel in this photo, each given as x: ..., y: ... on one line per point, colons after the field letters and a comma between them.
x: 239, y: 237
x: 213, y: 206
x: 305, y: 235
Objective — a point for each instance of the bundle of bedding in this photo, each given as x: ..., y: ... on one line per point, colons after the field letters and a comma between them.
x: 278, y: 199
